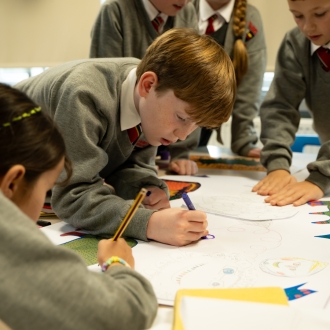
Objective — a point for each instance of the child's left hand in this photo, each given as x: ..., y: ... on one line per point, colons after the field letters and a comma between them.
x: 183, y: 167
x: 157, y: 200
x: 296, y: 193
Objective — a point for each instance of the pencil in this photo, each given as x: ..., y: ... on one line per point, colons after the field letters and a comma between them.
x: 128, y: 217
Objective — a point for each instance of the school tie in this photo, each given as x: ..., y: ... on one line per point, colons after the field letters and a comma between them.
x: 324, y: 56
x: 134, y: 133
x: 156, y: 22
x: 210, y: 28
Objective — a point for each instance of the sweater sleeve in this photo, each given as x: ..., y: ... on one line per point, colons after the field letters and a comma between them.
x: 50, y: 287
x: 107, y: 34
x: 279, y: 112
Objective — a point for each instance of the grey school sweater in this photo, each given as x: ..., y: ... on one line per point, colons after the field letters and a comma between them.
x: 244, y: 136
x: 49, y: 287
x: 123, y: 28
x: 298, y: 75
x: 83, y: 97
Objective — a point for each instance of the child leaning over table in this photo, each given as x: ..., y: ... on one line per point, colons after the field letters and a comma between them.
x: 102, y: 105
x: 44, y: 286
x: 302, y: 71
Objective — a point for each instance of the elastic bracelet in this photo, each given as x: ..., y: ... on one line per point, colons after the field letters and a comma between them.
x: 112, y: 260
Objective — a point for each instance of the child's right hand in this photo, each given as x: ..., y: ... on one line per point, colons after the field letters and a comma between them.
x: 177, y: 226
x: 274, y: 182
x: 108, y: 248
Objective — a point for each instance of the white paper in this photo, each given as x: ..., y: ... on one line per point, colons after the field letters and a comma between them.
x: 233, y: 315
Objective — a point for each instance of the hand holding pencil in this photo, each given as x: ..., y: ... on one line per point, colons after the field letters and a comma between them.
x: 117, y: 246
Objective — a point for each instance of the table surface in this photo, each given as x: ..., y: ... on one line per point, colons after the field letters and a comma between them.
x: 164, y: 318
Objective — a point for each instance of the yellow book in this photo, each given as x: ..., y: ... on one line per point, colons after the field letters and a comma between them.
x: 271, y: 295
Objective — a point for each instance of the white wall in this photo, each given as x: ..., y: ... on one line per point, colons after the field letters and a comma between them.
x: 48, y: 32
x: 37, y: 33
x: 277, y: 19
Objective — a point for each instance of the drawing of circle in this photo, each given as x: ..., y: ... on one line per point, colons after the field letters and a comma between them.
x: 292, y: 267
x: 228, y: 271
x: 236, y: 229
x: 258, y: 248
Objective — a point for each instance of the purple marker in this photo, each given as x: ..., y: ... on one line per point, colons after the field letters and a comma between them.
x: 188, y: 202
x: 191, y: 206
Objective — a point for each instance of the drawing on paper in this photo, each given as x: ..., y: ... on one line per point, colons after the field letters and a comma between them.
x: 324, y: 236
x: 177, y: 188
x: 325, y: 222
x: 228, y: 163
x: 294, y: 292
x: 86, y: 246
x: 292, y: 267
x: 318, y: 203
x: 244, y: 206
x: 198, y: 270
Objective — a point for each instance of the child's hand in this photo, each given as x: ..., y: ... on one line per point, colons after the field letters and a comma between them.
x: 177, y: 226
x: 108, y: 248
x: 255, y: 153
x: 274, y: 182
x: 157, y: 200
x: 183, y: 167
x: 296, y: 193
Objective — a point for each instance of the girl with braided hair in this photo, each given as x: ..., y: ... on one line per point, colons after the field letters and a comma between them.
x: 237, y: 26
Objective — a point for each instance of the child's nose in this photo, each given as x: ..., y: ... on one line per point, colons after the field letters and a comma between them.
x: 183, y: 132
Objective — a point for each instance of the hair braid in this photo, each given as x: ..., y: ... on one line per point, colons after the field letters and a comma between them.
x: 240, y: 56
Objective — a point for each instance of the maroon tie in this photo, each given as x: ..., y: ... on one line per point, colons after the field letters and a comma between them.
x: 134, y: 133
x: 157, y: 23
x: 210, y: 28
x: 324, y: 56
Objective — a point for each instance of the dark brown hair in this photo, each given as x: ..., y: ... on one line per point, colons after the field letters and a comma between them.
x: 197, y: 69
x: 33, y: 141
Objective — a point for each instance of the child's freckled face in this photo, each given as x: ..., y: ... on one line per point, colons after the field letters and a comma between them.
x: 313, y: 19
x: 169, y: 7
x: 164, y: 119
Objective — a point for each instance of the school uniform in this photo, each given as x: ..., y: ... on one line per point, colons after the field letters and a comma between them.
x: 298, y: 75
x: 244, y: 137
x: 44, y: 286
x: 123, y: 28
x: 92, y: 103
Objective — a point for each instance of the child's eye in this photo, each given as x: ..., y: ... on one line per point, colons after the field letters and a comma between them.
x: 298, y: 16
x: 180, y: 118
x: 319, y: 14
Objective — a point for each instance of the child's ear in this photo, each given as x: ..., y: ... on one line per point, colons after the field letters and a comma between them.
x: 148, y: 79
x: 12, y: 180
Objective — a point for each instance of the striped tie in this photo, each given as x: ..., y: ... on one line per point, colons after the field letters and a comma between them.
x: 210, y: 28
x: 134, y: 133
x: 157, y: 22
x: 324, y: 56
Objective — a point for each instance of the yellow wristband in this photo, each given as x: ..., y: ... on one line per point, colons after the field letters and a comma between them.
x: 112, y: 260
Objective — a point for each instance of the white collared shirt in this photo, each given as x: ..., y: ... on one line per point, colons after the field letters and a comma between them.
x: 129, y: 116
x: 206, y: 11
x: 153, y: 13
x: 315, y: 47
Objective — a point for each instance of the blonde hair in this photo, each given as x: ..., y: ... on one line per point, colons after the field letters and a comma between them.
x: 197, y: 69
x: 240, y: 56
